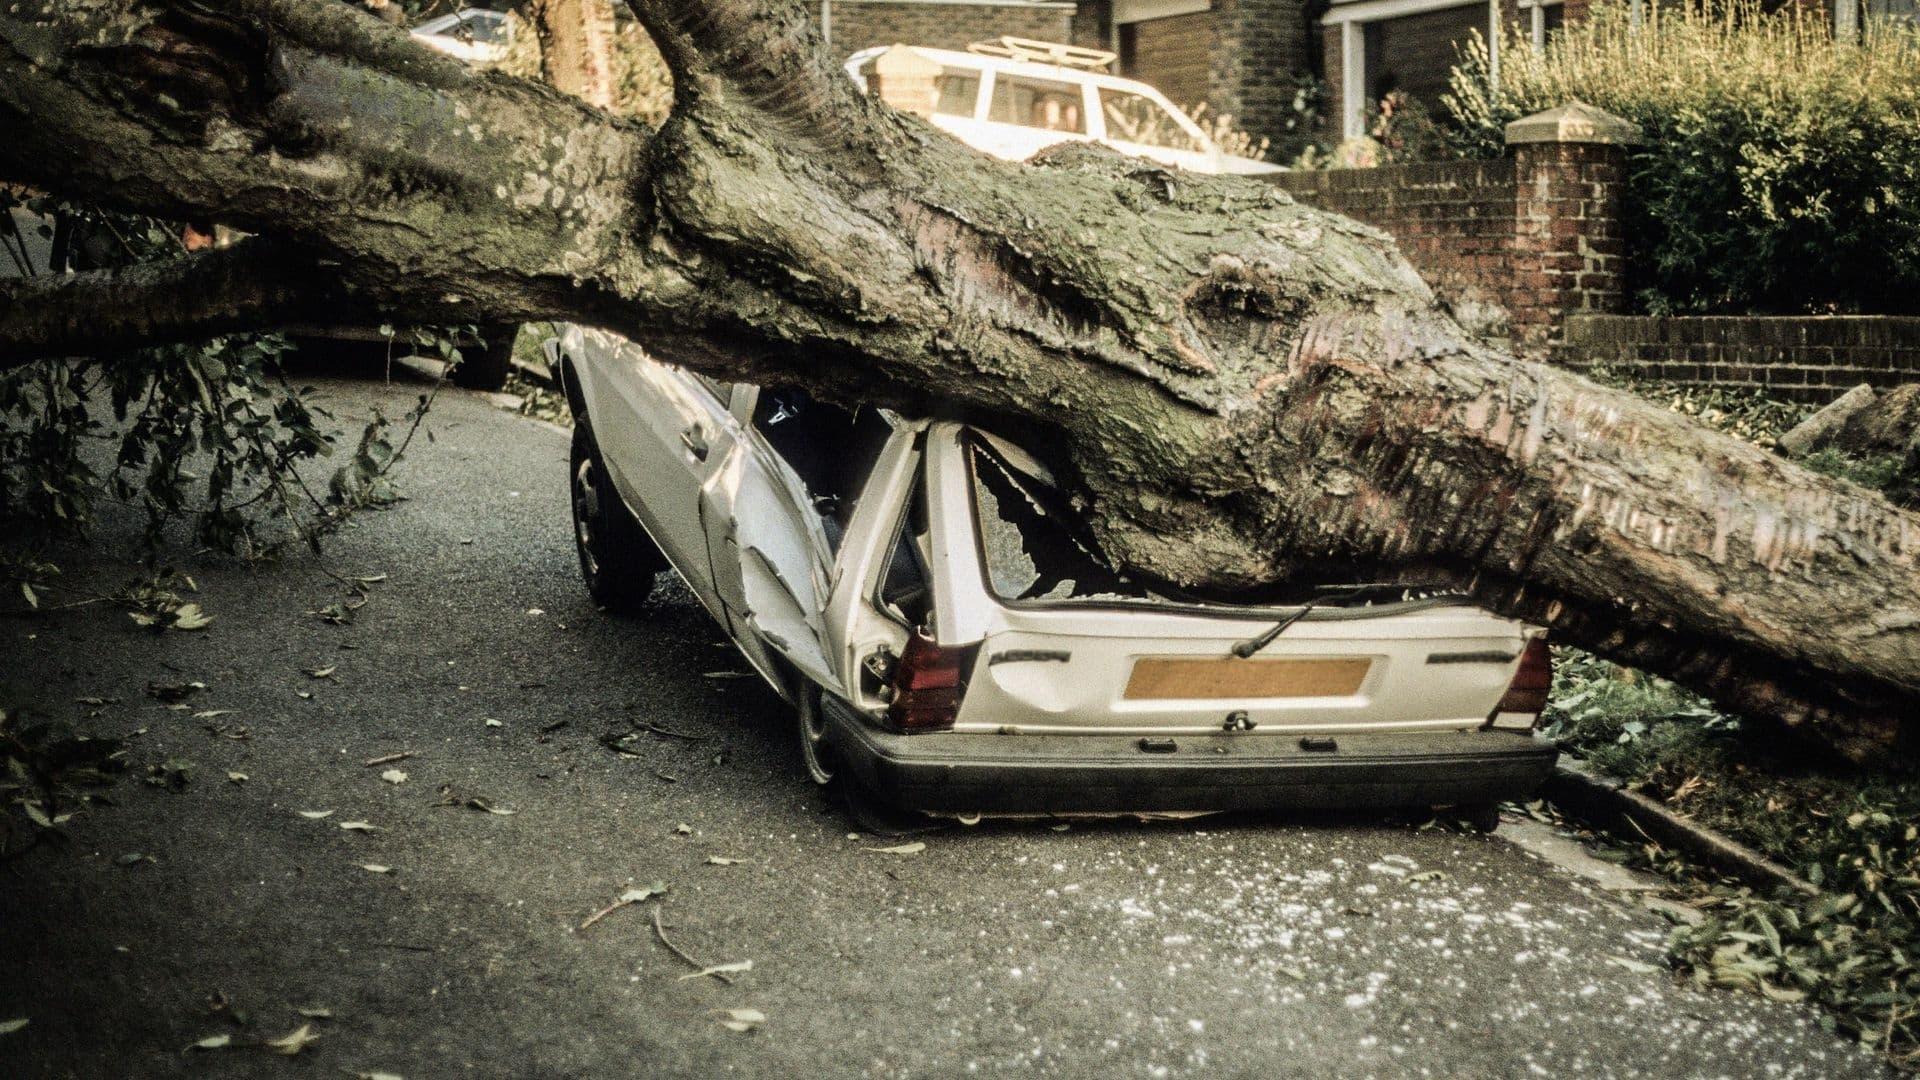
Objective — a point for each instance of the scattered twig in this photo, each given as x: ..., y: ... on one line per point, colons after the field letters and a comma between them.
x: 675, y: 950
x: 387, y: 759
x: 648, y: 725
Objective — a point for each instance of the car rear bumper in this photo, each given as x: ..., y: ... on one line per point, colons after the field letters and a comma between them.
x: 993, y: 773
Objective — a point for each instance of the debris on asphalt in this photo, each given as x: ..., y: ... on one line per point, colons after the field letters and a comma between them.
x: 314, y: 815
x: 359, y: 826
x: 293, y: 1041
x: 376, y: 868
x: 173, y: 693
x: 8, y: 1027
x: 722, y: 860
x: 394, y: 776
x: 741, y: 1019
x: 683, y: 829
x: 717, y: 970
x: 387, y: 759
x: 237, y: 777
x: 213, y: 1042
x: 721, y: 971
x: 914, y: 848
x: 134, y: 858
x: 626, y: 899
x: 314, y: 1012
x: 322, y: 672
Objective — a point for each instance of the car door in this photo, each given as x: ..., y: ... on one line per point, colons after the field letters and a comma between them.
x: 663, y: 433
x: 769, y: 551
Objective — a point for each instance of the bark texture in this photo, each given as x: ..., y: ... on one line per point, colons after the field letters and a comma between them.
x: 1241, y: 391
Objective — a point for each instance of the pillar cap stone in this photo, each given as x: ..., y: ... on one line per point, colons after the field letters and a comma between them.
x: 1574, y: 122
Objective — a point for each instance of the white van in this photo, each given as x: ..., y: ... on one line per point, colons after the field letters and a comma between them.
x: 1014, y: 97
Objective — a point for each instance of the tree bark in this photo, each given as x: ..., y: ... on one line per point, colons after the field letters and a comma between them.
x: 1240, y: 391
x: 576, y: 47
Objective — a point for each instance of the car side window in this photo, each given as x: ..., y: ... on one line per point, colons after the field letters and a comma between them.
x: 830, y: 449
x: 1136, y: 118
x: 1048, y: 104
x: 959, y: 90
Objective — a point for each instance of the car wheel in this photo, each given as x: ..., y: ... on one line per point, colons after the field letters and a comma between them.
x: 618, y: 560
x: 815, y: 753
x: 484, y: 366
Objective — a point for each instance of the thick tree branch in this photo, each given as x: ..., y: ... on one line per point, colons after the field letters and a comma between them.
x: 1239, y: 391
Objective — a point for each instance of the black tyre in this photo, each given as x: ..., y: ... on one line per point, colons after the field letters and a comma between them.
x: 484, y: 366
x: 815, y: 754
x: 618, y: 560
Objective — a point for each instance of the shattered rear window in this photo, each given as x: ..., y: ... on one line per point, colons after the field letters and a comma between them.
x: 1031, y: 549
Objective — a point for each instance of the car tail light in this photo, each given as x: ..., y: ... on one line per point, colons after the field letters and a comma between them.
x: 928, y: 684
x: 1526, y: 695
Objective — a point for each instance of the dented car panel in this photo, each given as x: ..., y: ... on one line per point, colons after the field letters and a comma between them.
x: 903, y: 570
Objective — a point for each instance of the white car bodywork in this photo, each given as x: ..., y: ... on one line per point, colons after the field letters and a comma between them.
x: 1013, y: 111
x: 805, y: 592
x: 475, y: 35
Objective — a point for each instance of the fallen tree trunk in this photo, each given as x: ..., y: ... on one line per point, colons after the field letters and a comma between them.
x: 1239, y: 390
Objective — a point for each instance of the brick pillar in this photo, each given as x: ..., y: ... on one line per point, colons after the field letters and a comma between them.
x: 1568, y: 250
x: 906, y: 80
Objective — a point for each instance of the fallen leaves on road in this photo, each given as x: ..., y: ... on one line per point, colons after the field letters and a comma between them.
x: 626, y: 899
x: 314, y: 815
x: 237, y: 778
x: 722, y: 860
x: 314, y: 1012
x: 449, y: 797
x: 359, y: 826
x: 322, y: 672
x: 377, y: 1076
x: 717, y: 970
x: 8, y: 1027
x: 914, y: 848
x: 683, y: 829
x: 134, y: 858
x: 394, y: 776
x: 213, y: 1042
x: 741, y: 1019
x: 376, y: 868
x: 172, y: 693
x: 293, y: 1041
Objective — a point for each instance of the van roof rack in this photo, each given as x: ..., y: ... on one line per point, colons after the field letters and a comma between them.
x: 1044, y: 52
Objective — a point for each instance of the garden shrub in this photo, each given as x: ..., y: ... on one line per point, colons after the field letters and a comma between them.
x: 1781, y: 168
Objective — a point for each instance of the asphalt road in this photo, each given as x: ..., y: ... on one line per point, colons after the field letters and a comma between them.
x: 1218, y: 947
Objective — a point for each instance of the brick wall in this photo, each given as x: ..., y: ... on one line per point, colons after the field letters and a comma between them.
x: 858, y: 24
x: 1814, y: 358
x: 1514, y: 245
x: 1261, y: 48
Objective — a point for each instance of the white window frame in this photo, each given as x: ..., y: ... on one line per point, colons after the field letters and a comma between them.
x: 1352, y: 19
x: 1536, y: 12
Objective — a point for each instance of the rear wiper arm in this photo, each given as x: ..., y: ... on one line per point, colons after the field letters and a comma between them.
x: 1247, y: 648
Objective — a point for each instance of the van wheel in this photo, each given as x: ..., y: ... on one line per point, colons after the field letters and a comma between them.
x: 618, y: 560
x: 815, y: 754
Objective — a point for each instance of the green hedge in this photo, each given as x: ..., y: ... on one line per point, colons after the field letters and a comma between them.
x: 1781, y: 171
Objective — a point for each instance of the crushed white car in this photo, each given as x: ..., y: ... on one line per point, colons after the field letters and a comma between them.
x: 1014, y: 97
x: 951, y: 642
x: 476, y: 35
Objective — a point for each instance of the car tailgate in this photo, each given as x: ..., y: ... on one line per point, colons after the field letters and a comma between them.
x: 1116, y: 670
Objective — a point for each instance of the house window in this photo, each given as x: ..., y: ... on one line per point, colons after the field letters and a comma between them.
x: 1410, y: 47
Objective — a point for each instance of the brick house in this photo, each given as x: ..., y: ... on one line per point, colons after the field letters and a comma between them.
x: 1246, y: 58
x: 1241, y: 58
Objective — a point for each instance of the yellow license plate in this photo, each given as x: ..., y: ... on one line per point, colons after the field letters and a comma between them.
x: 1169, y: 677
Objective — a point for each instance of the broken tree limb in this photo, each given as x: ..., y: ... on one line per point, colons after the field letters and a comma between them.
x: 1238, y: 391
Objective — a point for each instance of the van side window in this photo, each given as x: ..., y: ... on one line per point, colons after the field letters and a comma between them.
x: 959, y: 90
x: 1136, y: 118
x: 1037, y: 103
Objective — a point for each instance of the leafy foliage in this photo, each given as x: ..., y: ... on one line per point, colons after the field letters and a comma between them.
x: 211, y: 434
x: 1781, y: 167
x: 44, y: 771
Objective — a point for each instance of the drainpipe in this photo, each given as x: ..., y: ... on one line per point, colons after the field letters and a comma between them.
x: 826, y: 22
